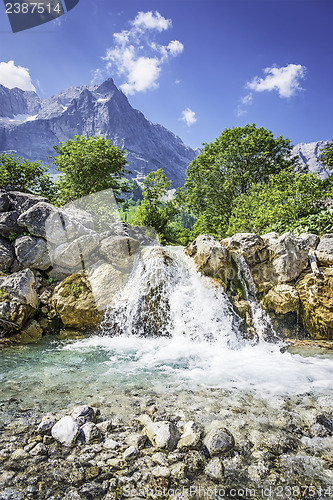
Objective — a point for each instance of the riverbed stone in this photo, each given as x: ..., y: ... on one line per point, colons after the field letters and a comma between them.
x: 282, y: 299
x: 219, y: 441
x: 316, y: 295
x: 83, y: 414
x: 214, y: 469
x: 32, y: 252
x: 91, y: 433
x: 191, y: 437
x: 45, y: 426
x: 31, y: 332
x: 130, y: 453
x: 74, y: 302
x: 66, y: 431
x: 162, y: 434
x: 324, y: 251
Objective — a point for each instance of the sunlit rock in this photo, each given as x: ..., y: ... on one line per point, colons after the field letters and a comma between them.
x: 66, y: 431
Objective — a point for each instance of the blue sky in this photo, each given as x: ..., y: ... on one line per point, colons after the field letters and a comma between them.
x: 195, y: 66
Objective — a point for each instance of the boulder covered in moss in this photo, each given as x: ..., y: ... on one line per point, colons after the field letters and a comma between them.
x: 316, y: 295
x: 74, y: 301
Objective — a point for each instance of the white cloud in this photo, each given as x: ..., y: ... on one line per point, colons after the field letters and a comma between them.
x: 285, y: 80
x: 188, y: 116
x: 136, y: 56
x: 245, y: 101
x: 151, y: 21
x: 15, y: 76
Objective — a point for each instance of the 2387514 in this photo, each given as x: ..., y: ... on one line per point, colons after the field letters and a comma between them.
x: 32, y: 8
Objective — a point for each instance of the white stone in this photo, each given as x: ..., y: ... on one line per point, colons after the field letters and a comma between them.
x: 66, y: 430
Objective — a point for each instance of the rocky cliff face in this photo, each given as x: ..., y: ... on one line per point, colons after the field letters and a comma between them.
x: 30, y: 127
x: 309, y: 153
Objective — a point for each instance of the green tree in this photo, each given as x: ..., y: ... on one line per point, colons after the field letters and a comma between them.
x: 281, y: 204
x: 89, y: 165
x: 326, y: 155
x: 155, y: 210
x: 26, y: 175
x: 227, y: 168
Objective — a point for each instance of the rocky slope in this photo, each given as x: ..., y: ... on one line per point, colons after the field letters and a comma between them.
x: 30, y: 127
x: 309, y: 153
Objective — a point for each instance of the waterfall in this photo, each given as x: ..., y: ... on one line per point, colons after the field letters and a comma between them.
x: 166, y: 297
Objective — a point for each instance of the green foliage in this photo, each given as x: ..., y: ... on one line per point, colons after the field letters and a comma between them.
x: 277, y: 205
x: 89, y: 165
x: 26, y: 175
x: 326, y: 155
x: 227, y: 168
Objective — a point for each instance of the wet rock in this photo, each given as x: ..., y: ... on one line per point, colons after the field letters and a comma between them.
x: 6, y: 254
x: 214, y: 469
x: 83, y: 414
x: 162, y: 434
x: 119, y: 250
x: 18, y: 299
x: 74, y: 302
x: 282, y: 299
x: 219, y: 441
x: 32, y: 252
x: 66, y: 431
x: 194, y: 463
x: 130, y: 453
x: 324, y: 250
x: 8, y: 224
x: 105, y: 426
x: 11, y: 494
x: 111, y: 444
x: 161, y: 472
x: 191, y: 437
x: 30, y: 333
x: 19, y: 454
x: 105, y: 281
x: 91, y: 433
x: 210, y: 257
x: 316, y: 297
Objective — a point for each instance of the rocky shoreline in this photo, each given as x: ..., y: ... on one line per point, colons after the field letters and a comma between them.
x: 223, y: 447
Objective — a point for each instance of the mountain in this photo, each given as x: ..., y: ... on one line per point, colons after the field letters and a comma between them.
x: 30, y: 127
x: 309, y: 153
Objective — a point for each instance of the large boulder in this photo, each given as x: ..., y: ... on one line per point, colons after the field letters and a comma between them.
x: 316, y: 295
x: 119, y: 250
x: 324, y: 250
x: 75, y: 254
x: 23, y: 201
x: 105, y: 281
x: 5, y: 203
x: 32, y: 252
x: 289, y: 257
x: 74, y: 301
x: 251, y: 246
x: 30, y: 333
x: 33, y: 220
x: 9, y: 225
x: 18, y: 299
x: 211, y: 258
x: 6, y: 254
x: 282, y: 299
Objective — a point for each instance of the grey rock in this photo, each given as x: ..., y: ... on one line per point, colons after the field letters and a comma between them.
x: 34, y: 218
x: 162, y: 434
x: 105, y: 426
x: 6, y: 254
x: 62, y: 227
x: 119, y: 250
x: 251, y: 246
x: 214, y: 469
x: 161, y: 472
x: 83, y: 414
x: 32, y: 252
x: 137, y: 440
x: 39, y: 450
x: 191, y: 437
x: 210, y: 257
x: 45, y: 426
x: 17, y: 102
x: 219, y: 441
x: 324, y: 251
x: 310, y: 239
x: 66, y: 431
x: 75, y: 254
x: 91, y: 433
x: 19, y: 454
x: 4, y: 202
x: 21, y: 202
x: 290, y: 257
x: 111, y: 444
x: 8, y: 224
x: 130, y: 453
x: 11, y: 494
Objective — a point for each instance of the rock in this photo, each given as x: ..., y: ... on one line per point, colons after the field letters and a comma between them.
x: 8, y: 224
x: 289, y: 256
x: 269, y: 237
x: 4, y: 202
x: 6, y: 254
x: 282, y: 299
x: 23, y: 201
x: 111, y: 444
x: 214, y: 469
x: 210, y: 257
x: 137, y: 440
x: 162, y: 434
x: 250, y: 245
x: 160, y: 458
x: 32, y: 252
x: 75, y: 255
x: 161, y: 472
x: 45, y: 426
x: 310, y: 239
x: 39, y: 450
x: 30, y: 333
x: 91, y: 433
x: 18, y: 299
x: 119, y: 250
x: 219, y: 441
x: 19, y: 454
x: 324, y: 252
x: 61, y: 226
x: 105, y: 281
x: 83, y: 414
x: 105, y: 426
x: 33, y: 220
x: 66, y: 431
x: 191, y: 437
x: 316, y: 297
x: 75, y: 303
x: 194, y: 463
x: 130, y: 453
